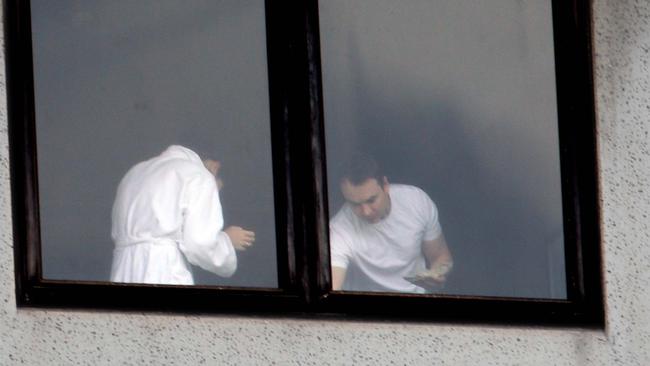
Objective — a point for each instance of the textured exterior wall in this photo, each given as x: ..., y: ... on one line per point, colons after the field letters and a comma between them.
x: 622, y: 35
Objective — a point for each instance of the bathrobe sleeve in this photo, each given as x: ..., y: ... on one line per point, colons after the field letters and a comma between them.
x: 203, y: 242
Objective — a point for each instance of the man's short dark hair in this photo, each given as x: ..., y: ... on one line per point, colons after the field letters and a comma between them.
x: 360, y: 167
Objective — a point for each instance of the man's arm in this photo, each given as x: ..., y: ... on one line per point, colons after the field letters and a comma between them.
x: 240, y: 238
x: 338, y: 277
x: 439, y: 264
x: 204, y: 243
x: 436, y: 251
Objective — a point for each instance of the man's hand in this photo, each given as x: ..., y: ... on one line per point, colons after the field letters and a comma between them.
x: 241, y: 239
x: 437, y: 273
x: 439, y: 261
x: 433, y: 278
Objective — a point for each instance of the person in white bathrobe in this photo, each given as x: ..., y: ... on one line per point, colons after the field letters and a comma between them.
x: 166, y: 216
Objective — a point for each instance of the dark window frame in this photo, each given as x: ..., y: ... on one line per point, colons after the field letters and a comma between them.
x: 297, y: 126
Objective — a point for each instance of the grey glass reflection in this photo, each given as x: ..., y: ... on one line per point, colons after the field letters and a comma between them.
x: 119, y: 81
x: 457, y: 98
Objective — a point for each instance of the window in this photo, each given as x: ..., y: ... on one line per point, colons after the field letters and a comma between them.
x: 486, y: 109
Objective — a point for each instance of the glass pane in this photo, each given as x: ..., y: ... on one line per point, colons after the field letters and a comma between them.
x: 117, y: 83
x: 455, y: 101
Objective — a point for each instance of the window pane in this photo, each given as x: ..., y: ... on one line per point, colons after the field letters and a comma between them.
x: 116, y: 83
x: 457, y: 99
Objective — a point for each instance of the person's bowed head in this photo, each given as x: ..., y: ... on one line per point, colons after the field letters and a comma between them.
x: 213, y: 167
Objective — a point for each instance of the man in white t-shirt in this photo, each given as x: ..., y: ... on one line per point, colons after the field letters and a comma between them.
x: 385, y: 237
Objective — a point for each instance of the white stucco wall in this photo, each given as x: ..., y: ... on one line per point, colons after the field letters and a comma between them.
x: 622, y: 35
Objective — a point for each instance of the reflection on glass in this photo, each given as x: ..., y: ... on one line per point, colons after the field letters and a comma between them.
x: 117, y: 83
x: 455, y: 102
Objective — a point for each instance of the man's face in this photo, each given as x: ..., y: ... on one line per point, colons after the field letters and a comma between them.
x: 369, y: 200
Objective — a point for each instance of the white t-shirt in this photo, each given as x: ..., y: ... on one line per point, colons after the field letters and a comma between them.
x: 378, y: 256
x: 167, y: 213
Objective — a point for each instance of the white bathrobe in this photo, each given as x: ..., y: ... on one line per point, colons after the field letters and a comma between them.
x: 167, y: 213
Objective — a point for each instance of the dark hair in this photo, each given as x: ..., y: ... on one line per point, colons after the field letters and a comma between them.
x: 360, y: 167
